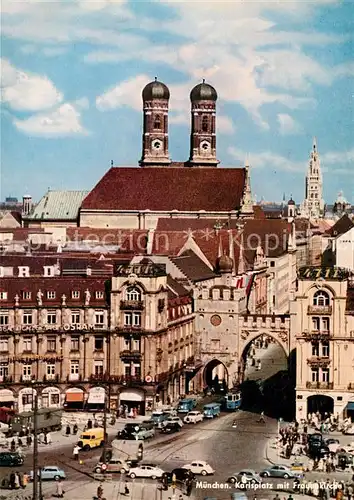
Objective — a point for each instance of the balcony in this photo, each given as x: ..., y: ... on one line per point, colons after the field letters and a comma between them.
x: 126, y: 380
x: 319, y: 385
x: 130, y: 355
x: 327, y: 310
x: 319, y: 361
x: 130, y: 330
x: 317, y: 335
x: 132, y: 305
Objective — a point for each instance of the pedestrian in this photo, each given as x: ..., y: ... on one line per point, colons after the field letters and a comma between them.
x: 76, y: 451
x: 60, y: 492
x: 13, y: 445
x: 75, y: 429
x: 12, y: 480
x: 68, y: 430
x: 24, y: 480
x: 126, y: 489
x: 49, y: 438
x: 261, y: 418
x: 277, y: 497
x: 100, y: 492
x: 17, y: 481
x: 19, y: 442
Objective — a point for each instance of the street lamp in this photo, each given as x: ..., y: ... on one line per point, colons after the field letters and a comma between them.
x: 279, y: 421
x: 35, y: 442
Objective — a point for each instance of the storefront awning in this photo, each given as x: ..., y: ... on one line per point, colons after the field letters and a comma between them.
x: 74, y: 397
x: 131, y: 396
x: 350, y: 406
x: 6, y: 396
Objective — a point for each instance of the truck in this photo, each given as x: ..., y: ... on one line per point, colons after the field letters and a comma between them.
x: 48, y: 419
x: 186, y: 405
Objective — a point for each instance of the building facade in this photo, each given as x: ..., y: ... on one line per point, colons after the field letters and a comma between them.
x: 83, y: 342
x: 322, y: 318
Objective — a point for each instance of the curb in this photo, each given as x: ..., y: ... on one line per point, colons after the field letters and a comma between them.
x: 267, y: 455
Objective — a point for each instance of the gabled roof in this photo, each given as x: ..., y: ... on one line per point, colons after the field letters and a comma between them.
x: 192, y: 266
x: 341, y: 226
x: 176, y: 289
x: 58, y: 205
x: 168, y: 189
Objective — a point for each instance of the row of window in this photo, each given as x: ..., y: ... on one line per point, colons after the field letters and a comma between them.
x: 320, y: 324
x: 52, y: 344
x: 51, y: 369
x: 51, y: 294
x: 320, y: 375
x: 52, y: 319
x: 320, y: 349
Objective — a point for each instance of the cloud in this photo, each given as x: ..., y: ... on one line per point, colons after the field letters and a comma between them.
x: 338, y: 157
x: 269, y: 160
x: 287, y: 125
x: 126, y: 93
x: 63, y: 121
x: 24, y: 91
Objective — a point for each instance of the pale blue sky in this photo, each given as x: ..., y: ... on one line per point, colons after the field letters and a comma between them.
x: 73, y: 72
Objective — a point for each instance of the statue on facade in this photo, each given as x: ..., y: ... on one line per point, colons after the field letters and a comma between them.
x: 17, y: 300
x: 63, y: 300
x: 87, y: 297
x: 40, y: 297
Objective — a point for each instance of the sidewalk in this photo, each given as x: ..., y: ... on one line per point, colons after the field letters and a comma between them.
x: 139, y: 490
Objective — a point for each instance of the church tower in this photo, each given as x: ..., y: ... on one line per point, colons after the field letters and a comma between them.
x: 313, y: 205
x: 155, y: 127
x: 203, y: 134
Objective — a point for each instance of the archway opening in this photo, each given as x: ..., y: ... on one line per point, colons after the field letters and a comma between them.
x: 266, y: 382
x: 320, y: 403
x: 215, y: 377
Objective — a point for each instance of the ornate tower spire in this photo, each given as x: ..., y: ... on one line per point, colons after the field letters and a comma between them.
x: 247, y: 201
x: 203, y: 126
x: 155, y: 128
x: 313, y: 206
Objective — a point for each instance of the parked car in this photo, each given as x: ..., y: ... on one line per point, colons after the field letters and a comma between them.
x: 170, y: 428
x: 193, y: 417
x: 172, y: 419
x: 146, y: 470
x: 182, y: 476
x: 246, y: 476
x: 50, y: 472
x: 315, y: 437
x: 280, y: 471
x: 10, y: 459
x: 114, y: 465
x: 199, y: 467
x: 318, y: 450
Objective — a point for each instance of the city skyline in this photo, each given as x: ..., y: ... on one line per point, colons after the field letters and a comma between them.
x: 74, y: 72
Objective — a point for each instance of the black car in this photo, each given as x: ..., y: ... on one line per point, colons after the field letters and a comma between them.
x: 182, y: 476
x: 127, y: 432
x: 171, y: 427
x: 318, y: 450
x: 8, y: 459
x: 315, y: 438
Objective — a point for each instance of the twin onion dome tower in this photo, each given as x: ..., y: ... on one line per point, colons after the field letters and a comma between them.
x: 156, y: 97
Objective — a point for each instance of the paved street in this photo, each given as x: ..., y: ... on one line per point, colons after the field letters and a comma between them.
x: 273, y: 360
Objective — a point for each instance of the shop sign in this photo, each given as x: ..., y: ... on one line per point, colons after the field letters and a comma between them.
x: 46, y: 328
x: 34, y: 357
x: 97, y: 395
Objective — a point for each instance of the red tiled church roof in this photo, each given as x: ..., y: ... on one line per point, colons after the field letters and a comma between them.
x: 167, y: 189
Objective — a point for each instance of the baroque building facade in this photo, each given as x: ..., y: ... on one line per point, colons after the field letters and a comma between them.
x: 85, y: 342
x: 322, y: 315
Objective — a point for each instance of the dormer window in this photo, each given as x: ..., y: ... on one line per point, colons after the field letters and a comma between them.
x: 23, y: 272
x: 321, y: 299
x: 26, y: 295
x: 50, y: 294
x: 133, y: 294
x: 75, y: 294
x: 48, y: 271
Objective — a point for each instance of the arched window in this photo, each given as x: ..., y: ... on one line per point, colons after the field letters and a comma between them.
x: 133, y: 293
x: 157, y: 122
x: 205, y: 123
x: 321, y: 299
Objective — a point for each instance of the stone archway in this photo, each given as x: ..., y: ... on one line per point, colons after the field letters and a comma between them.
x: 320, y: 403
x: 215, y: 375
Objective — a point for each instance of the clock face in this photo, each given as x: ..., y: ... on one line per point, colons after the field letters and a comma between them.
x: 156, y: 144
x: 205, y: 146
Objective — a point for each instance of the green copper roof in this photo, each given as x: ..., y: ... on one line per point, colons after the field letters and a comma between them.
x: 58, y: 205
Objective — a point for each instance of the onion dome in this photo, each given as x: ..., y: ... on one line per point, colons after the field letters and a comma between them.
x: 291, y: 202
x: 155, y: 90
x: 203, y: 92
x: 225, y: 264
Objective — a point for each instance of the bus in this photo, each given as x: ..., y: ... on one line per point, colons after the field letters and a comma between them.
x: 186, y: 405
x: 233, y: 401
x: 211, y: 410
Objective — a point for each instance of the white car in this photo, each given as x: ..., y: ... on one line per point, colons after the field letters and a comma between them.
x: 172, y: 419
x: 199, y: 468
x: 193, y: 417
x: 145, y: 470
